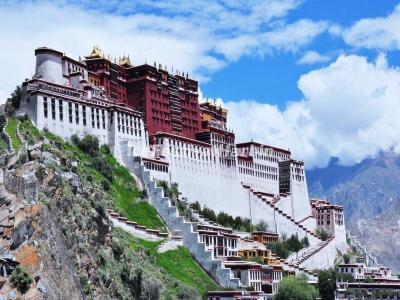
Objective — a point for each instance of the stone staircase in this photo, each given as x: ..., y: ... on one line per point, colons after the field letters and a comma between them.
x: 271, y: 204
x: 8, y: 138
x: 190, y: 238
x: 24, y: 144
x: 307, y: 253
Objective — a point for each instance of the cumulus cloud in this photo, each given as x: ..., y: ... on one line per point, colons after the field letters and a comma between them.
x: 348, y: 111
x: 198, y: 37
x: 380, y: 33
x: 312, y: 57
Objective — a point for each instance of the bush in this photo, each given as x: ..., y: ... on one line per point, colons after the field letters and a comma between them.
x: 295, y: 288
x: 102, y: 165
x: 20, y: 279
x: 106, y: 185
x: 327, y: 284
x: 293, y: 243
x: 196, y: 206
x: 305, y: 242
x: 322, y: 234
x: 209, y: 214
x: 261, y: 226
x: 143, y: 194
x: 280, y: 249
x: 89, y: 144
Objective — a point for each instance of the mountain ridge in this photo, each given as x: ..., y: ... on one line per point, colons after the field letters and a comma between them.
x: 370, y: 194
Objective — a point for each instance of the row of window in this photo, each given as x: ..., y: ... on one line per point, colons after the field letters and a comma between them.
x: 259, y: 174
x: 98, y: 116
x: 156, y: 167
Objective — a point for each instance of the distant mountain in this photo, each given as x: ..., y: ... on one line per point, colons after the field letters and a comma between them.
x: 370, y: 194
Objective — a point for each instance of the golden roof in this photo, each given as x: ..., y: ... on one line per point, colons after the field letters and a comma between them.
x: 125, y: 61
x: 96, y: 53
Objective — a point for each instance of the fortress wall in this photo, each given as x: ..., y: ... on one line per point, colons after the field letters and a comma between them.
x: 324, y: 259
x: 301, y: 202
x: 310, y: 223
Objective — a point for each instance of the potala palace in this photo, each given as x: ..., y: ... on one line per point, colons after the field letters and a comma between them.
x: 154, y: 124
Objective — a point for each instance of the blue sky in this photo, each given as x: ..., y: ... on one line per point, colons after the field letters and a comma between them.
x: 320, y: 77
x: 274, y: 78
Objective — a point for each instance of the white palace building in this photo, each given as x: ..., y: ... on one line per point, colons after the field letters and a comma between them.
x: 146, y: 114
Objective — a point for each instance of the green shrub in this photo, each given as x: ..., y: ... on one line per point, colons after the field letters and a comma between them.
x: 327, y: 284
x: 322, y: 234
x: 295, y: 288
x: 261, y: 226
x: 143, y: 194
x: 106, y: 185
x: 20, y: 279
x: 102, y: 165
x: 209, y: 214
x: 196, y: 206
x: 89, y: 144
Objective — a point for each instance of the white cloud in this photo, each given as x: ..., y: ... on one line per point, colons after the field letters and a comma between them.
x: 348, y: 111
x: 198, y: 37
x: 380, y: 33
x: 312, y: 57
x: 293, y: 36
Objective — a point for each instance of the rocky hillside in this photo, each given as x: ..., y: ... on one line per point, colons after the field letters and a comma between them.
x: 370, y: 194
x: 56, y: 240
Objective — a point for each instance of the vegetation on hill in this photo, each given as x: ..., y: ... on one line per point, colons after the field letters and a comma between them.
x: 284, y: 247
x: 113, y: 263
x: 14, y: 101
x: 12, y: 132
x: 223, y: 219
x: 174, y: 274
x: 322, y: 234
x: 178, y: 263
x: 295, y: 288
x: 97, y: 165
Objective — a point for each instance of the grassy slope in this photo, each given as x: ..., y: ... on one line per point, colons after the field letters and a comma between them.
x: 123, y: 193
x: 178, y: 263
x: 12, y: 131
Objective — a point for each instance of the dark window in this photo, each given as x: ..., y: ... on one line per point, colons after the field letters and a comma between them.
x: 53, y: 108
x: 77, y: 113
x: 97, y: 118
x: 103, y: 117
x: 45, y: 107
x: 93, y: 117
x: 70, y: 111
x: 84, y: 114
x: 60, y: 109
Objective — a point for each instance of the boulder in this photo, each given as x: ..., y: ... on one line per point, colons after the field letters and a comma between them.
x: 22, y: 233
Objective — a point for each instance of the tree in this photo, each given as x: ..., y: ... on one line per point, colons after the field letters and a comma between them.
x: 305, y: 242
x: 345, y: 277
x: 346, y: 258
x: 20, y: 279
x: 278, y: 249
x: 261, y: 226
x: 327, y: 284
x: 196, y: 206
x: 293, y: 243
x: 322, y: 234
x: 295, y: 288
x: 14, y: 102
x: 209, y: 214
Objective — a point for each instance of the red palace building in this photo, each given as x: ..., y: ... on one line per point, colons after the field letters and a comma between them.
x: 169, y: 102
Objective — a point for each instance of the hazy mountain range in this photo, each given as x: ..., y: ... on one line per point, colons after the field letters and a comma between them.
x: 370, y: 194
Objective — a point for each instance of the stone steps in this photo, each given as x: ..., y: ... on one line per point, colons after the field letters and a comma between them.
x: 282, y: 213
x: 190, y: 238
x: 311, y: 253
